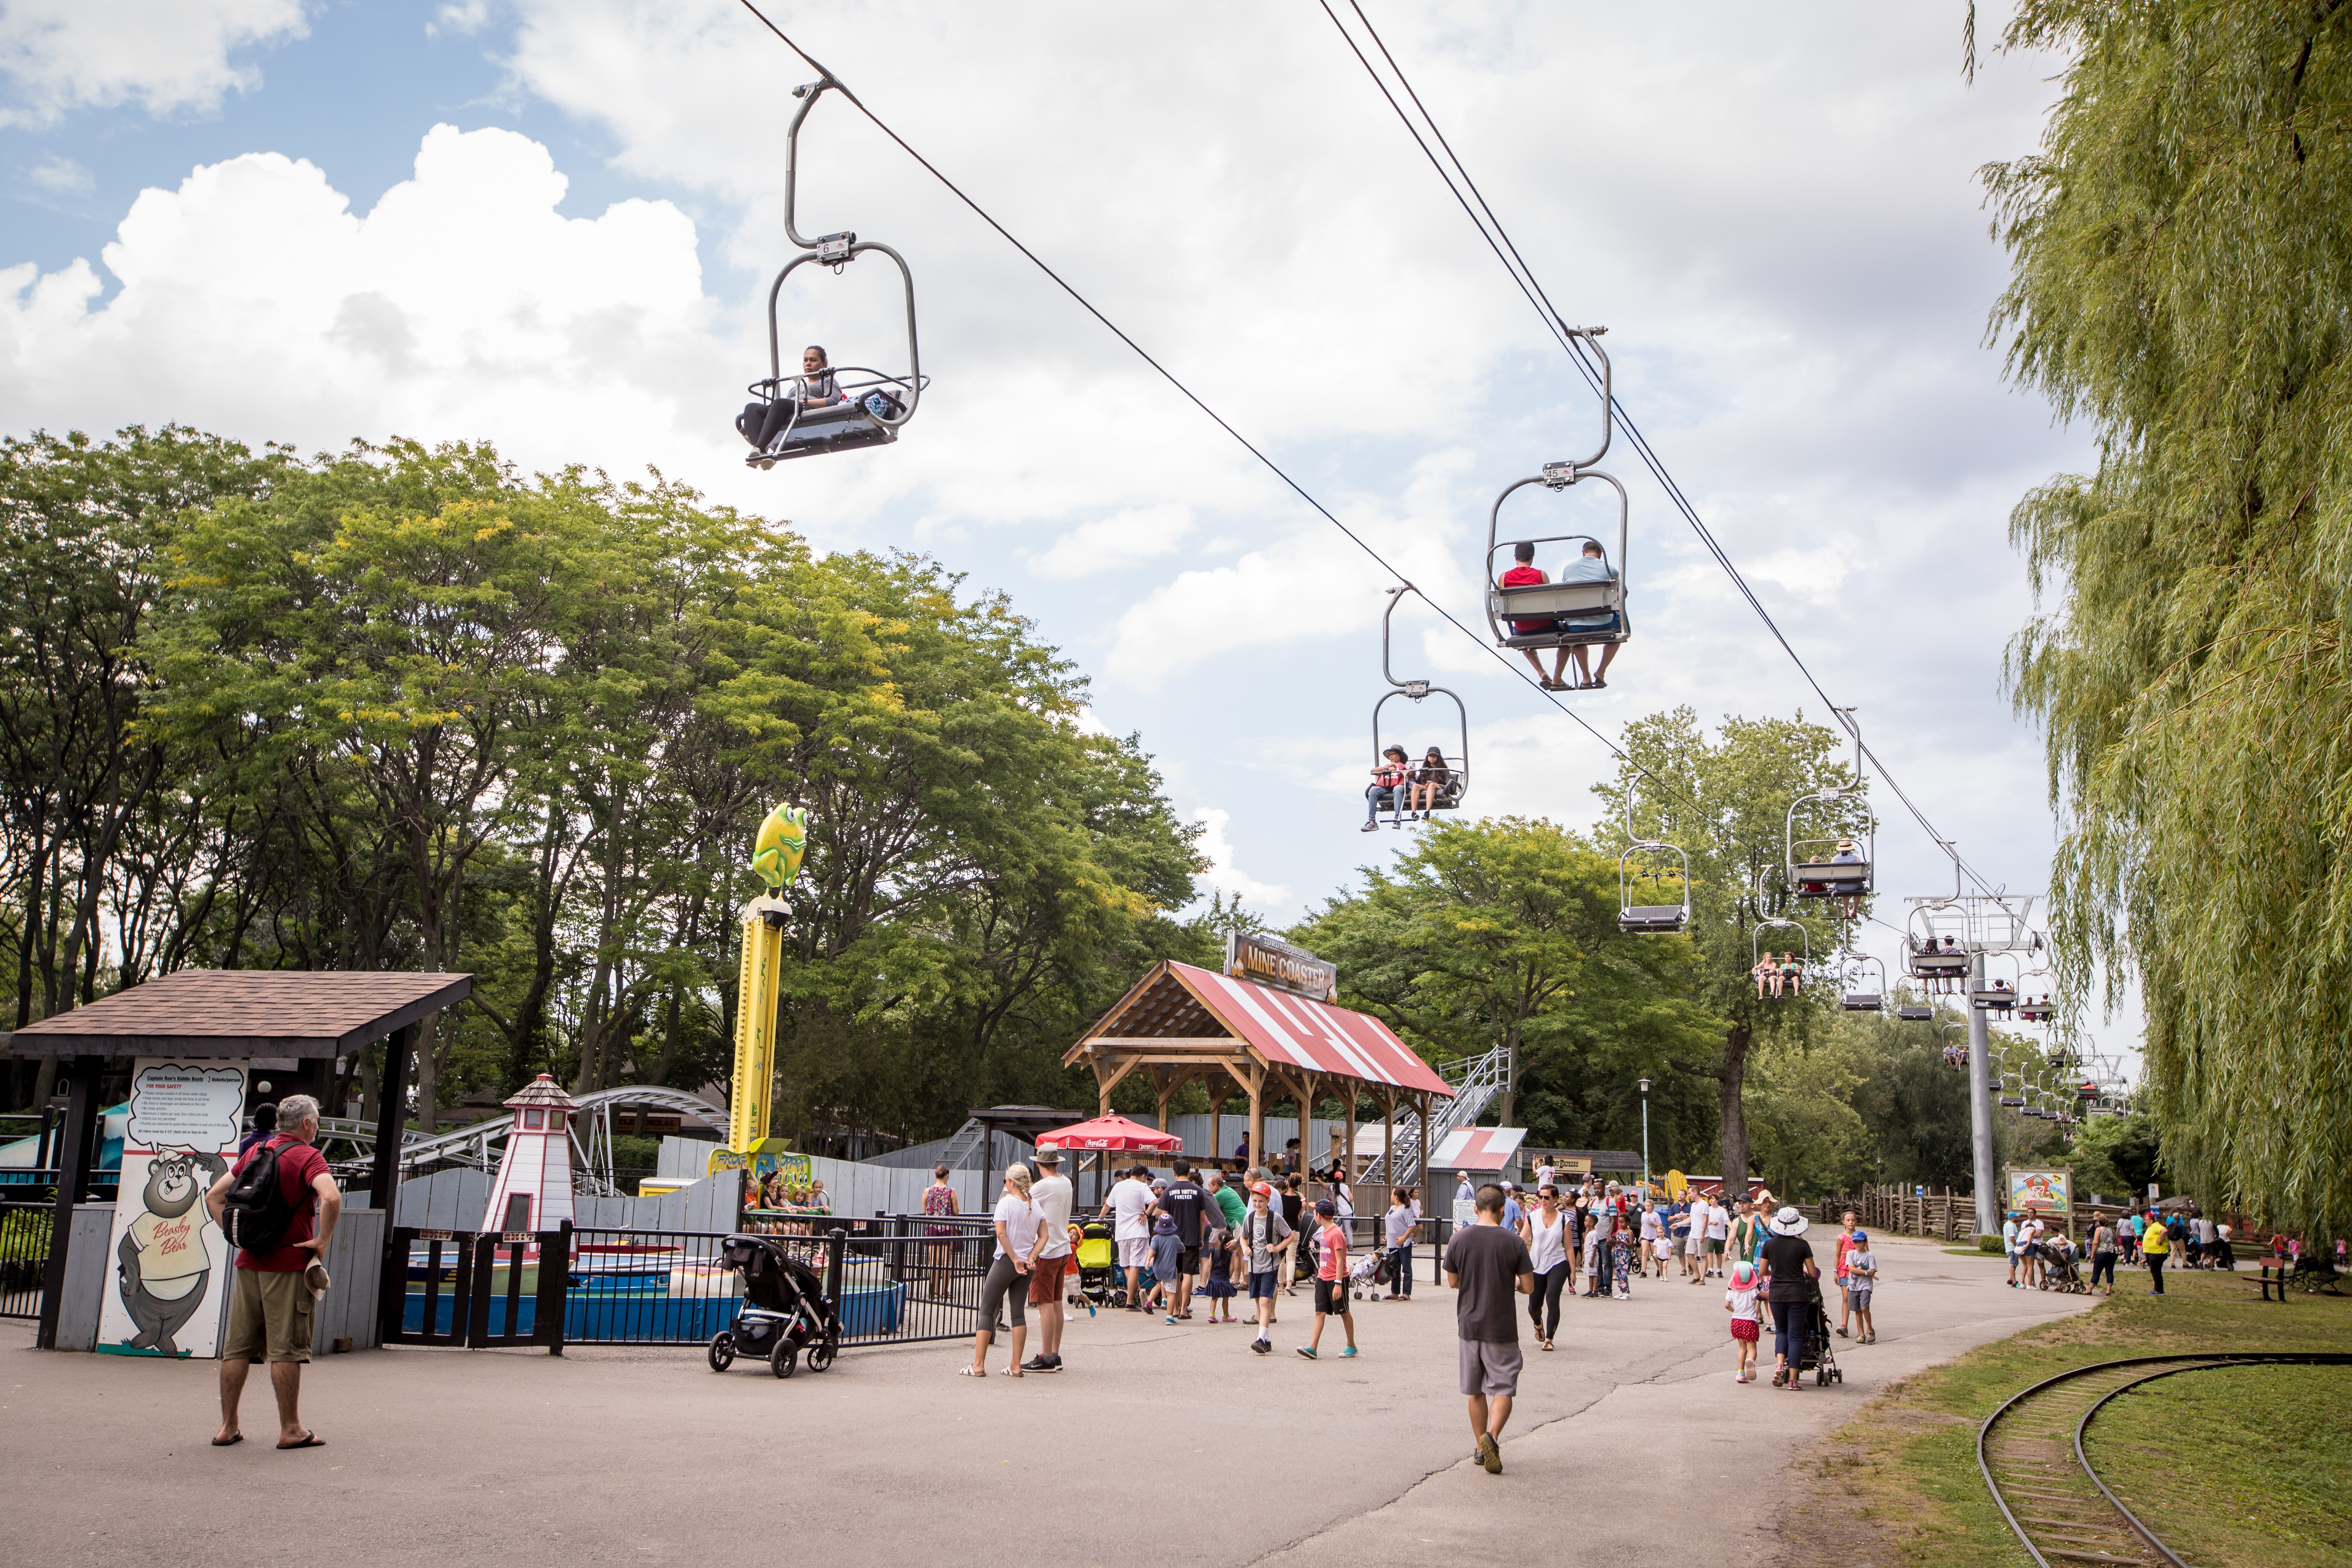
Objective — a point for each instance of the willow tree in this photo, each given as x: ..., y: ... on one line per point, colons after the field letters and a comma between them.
x: 2182, y: 280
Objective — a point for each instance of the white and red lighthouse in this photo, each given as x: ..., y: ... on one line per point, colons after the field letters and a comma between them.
x: 533, y: 1190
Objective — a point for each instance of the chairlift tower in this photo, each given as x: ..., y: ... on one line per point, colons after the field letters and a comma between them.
x: 1978, y: 925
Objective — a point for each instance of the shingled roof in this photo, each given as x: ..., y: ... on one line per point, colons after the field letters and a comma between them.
x: 200, y: 1013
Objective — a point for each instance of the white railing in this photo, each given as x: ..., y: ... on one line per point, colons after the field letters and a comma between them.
x: 1475, y: 1081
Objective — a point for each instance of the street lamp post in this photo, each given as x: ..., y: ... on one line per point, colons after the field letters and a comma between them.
x: 1645, y: 1138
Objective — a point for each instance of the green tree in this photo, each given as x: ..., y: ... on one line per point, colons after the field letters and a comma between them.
x: 2183, y: 280
x: 1725, y: 803
x: 1504, y: 932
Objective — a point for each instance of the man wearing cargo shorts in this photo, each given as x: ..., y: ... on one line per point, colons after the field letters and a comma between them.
x: 1485, y: 1263
x: 270, y: 1302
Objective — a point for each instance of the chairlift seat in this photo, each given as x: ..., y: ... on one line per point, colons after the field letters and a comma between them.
x: 1938, y: 965
x: 1545, y: 601
x: 2012, y: 1102
x: 1992, y: 1000
x: 828, y: 428
x: 1832, y: 879
x: 1863, y: 1002
x: 1651, y: 918
x: 1915, y: 1015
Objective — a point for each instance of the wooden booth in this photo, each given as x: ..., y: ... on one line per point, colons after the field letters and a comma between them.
x: 1260, y: 1042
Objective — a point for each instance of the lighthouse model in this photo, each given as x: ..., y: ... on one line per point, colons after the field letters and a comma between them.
x: 534, y: 1191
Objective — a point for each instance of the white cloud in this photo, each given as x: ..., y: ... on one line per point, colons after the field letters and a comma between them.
x: 61, y: 174
x: 1136, y: 534
x: 1222, y: 874
x: 163, y: 55
x: 254, y: 301
x: 468, y: 16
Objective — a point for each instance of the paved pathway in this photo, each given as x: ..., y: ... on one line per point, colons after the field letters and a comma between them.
x: 1160, y: 1445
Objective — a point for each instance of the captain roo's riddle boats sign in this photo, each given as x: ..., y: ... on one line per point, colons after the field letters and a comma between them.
x: 1277, y: 963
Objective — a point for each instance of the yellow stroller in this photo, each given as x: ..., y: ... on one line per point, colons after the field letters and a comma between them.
x: 1098, y: 1257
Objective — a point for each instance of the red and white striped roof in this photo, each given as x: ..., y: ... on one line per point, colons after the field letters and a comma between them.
x: 1477, y: 1148
x: 1291, y: 1030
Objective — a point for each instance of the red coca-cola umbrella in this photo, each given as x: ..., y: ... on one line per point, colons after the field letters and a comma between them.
x: 1112, y: 1135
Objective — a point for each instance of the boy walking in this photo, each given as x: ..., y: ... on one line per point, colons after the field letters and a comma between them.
x: 1331, y: 1278
x: 1265, y: 1237
x: 1487, y: 1263
x: 1861, y: 1280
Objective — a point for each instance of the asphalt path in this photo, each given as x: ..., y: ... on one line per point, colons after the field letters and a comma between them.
x: 1160, y: 1445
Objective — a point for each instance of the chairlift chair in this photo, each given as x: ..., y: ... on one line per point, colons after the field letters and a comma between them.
x: 875, y: 404
x: 1450, y: 796
x: 1912, y: 1013
x: 1600, y: 605
x: 1756, y: 940
x: 1866, y: 1001
x: 1650, y: 920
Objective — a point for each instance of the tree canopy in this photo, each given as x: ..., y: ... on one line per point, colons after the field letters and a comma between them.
x: 2182, y: 274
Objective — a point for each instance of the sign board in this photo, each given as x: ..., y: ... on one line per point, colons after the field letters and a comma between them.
x: 2049, y: 1194
x: 168, y: 1275
x: 1277, y: 963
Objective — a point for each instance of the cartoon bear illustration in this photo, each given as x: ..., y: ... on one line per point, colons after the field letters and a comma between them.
x: 166, y: 1257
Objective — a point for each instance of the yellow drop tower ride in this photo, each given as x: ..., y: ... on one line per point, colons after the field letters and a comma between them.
x: 776, y: 856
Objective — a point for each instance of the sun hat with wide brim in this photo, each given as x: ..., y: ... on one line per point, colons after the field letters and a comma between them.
x: 1789, y: 1222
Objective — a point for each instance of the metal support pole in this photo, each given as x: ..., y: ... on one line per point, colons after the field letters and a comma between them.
x: 1990, y: 1200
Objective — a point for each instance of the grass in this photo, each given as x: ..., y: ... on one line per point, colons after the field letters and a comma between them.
x: 2265, y: 1480
x: 1899, y: 1483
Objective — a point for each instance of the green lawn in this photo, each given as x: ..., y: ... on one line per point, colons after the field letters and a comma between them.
x: 2266, y: 1479
x: 1903, y: 1474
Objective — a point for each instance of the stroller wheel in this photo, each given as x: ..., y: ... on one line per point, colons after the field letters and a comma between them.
x: 781, y: 1359
x: 820, y: 1354
x: 722, y: 1350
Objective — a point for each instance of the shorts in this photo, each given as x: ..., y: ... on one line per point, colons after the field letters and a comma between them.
x: 1261, y: 1286
x: 1045, y: 1279
x: 269, y: 1317
x: 1715, y: 1247
x: 1331, y: 1297
x: 1491, y: 1366
x: 1188, y: 1261
x: 1858, y: 1298
x: 1744, y: 1329
x: 1681, y: 1243
x: 1135, y: 1253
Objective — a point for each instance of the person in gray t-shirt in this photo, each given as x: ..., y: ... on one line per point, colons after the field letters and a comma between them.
x: 1401, y: 1226
x: 1265, y: 1237
x: 1485, y: 1263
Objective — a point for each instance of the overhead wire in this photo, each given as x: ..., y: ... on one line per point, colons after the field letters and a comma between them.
x: 1170, y: 377
x: 1497, y: 237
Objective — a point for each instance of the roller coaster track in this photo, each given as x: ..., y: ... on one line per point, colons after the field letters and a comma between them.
x: 592, y: 1137
x: 2030, y: 1451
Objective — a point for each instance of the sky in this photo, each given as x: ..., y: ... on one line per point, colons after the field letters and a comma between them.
x: 553, y: 227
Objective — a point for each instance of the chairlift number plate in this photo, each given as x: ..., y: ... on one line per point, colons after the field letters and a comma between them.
x: 1416, y: 689
x: 834, y: 247
x: 1558, y: 474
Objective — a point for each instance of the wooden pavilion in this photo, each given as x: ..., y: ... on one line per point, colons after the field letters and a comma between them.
x: 1181, y: 1024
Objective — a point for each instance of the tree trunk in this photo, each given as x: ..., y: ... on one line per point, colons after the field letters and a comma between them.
x: 1733, y: 1144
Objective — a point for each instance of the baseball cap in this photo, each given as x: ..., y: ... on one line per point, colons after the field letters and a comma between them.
x: 1862, y: 1238
x: 1326, y: 1208
x: 1263, y: 1189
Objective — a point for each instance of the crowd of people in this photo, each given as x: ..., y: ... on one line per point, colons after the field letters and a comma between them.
x: 2041, y: 1255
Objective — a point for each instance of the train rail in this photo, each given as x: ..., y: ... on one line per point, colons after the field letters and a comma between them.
x: 2031, y: 1452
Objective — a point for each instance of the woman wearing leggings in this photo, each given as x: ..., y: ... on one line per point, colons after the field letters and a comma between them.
x: 2155, y: 1246
x: 1545, y: 1230
x: 1019, y: 1239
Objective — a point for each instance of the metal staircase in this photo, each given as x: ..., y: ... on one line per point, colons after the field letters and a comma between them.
x: 1475, y: 1081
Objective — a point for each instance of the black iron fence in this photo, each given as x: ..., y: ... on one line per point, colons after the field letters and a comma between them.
x: 24, y: 1256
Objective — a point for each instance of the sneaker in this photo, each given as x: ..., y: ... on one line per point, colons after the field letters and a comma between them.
x: 1262, y: 1347
x: 1041, y: 1364
x: 1171, y: 1316
x: 1489, y: 1454
x: 1307, y: 1350
x: 1842, y: 1333
x: 1346, y: 1354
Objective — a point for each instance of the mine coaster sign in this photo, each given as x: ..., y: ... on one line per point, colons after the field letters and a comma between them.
x: 1282, y: 966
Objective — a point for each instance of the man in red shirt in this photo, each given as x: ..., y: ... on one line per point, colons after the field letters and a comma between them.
x: 269, y: 1312
x: 1524, y: 575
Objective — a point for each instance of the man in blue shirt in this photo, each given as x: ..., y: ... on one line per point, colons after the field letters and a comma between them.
x: 1592, y: 566
x: 1511, y: 1211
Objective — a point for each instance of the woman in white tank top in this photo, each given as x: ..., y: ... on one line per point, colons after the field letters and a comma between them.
x: 1545, y: 1226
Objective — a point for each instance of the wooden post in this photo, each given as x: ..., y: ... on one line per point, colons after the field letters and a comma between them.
x: 1348, y: 1163
x: 74, y: 1152
x: 1258, y: 1122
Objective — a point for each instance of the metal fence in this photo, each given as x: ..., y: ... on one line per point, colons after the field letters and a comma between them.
x: 24, y: 1256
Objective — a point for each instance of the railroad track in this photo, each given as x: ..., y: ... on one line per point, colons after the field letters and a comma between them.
x: 2030, y: 1451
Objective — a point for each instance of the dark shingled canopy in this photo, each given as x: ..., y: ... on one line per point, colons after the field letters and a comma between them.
x: 242, y: 1013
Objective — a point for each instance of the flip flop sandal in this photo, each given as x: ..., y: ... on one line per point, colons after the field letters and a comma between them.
x: 310, y: 1440
x: 228, y: 1442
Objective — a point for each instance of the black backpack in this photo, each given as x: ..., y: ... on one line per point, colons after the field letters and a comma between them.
x: 254, y: 1214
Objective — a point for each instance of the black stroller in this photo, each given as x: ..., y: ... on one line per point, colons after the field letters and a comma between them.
x: 1817, y: 1357
x: 785, y: 1311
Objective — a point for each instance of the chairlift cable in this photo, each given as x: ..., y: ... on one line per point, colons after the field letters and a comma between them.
x: 1194, y: 398
x: 1500, y: 242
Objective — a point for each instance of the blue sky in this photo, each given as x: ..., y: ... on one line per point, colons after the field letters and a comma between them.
x: 550, y: 225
